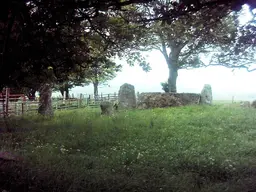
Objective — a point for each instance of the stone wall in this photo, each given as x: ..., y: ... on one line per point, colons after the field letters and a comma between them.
x: 161, y: 100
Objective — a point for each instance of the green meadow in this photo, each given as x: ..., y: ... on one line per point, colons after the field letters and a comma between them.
x: 191, y: 148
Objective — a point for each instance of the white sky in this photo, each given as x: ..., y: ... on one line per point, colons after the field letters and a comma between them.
x: 225, y: 83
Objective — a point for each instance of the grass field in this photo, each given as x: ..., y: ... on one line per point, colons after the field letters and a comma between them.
x: 192, y: 148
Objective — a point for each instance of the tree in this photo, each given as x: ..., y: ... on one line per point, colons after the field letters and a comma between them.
x: 182, y: 41
x: 35, y: 34
x: 77, y: 78
x: 241, y: 52
x: 102, y: 71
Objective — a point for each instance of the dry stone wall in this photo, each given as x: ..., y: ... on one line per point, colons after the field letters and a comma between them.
x: 161, y: 100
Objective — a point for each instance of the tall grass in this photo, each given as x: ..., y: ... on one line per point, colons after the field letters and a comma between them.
x: 192, y: 148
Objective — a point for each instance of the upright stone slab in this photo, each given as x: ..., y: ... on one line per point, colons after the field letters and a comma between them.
x: 245, y: 104
x: 126, y: 96
x: 206, y: 95
x: 106, y: 108
x: 253, y: 104
x: 45, y: 100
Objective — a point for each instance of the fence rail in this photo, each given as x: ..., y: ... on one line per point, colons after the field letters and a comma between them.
x: 19, y: 105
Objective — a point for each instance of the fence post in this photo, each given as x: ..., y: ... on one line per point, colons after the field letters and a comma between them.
x: 86, y: 101
x: 16, y: 111
x: 64, y: 96
x: 22, y: 108
x: 7, y: 101
x: 80, y: 101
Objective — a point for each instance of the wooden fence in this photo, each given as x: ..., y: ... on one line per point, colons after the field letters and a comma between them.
x: 24, y: 106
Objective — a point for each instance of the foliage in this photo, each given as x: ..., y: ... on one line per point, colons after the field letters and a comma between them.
x: 241, y: 52
x: 186, y: 39
x: 165, y: 87
x: 102, y: 71
x: 190, y: 148
x: 37, y: 34
x: 183, y: 40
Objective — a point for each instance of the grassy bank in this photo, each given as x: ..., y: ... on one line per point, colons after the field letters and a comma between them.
x: 190, y: 148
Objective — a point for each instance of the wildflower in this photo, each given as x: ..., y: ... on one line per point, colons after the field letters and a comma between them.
x: 139, y: 155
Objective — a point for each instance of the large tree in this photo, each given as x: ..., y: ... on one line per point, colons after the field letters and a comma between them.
x: 35, y: 34
x: 183, y: 40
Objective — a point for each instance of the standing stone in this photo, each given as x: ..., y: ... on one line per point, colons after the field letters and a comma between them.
x: 45, y: 100
x: 45, y: 92
x: 206, y: 95
x: 253, y: 104
x: 107, y: 108
x: 245, y: 104
x: 126, y: 96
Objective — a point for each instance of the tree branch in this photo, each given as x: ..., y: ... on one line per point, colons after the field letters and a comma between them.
x: 164, y: 50
x: 231, y: 66
x: 227, y: 65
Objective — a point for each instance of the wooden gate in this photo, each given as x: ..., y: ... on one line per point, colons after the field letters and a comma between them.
x: 6, y: 100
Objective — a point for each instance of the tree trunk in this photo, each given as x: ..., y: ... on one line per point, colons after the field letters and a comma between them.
x: 45, y: 100
x: 172, y: 62
x: 63, y: 89
x: 66, y: 88
x: 172, y: 80
x: 173, y: 70
x: 95, y: 88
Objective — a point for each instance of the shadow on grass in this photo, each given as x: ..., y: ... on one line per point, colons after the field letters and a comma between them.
x: 20, y: 177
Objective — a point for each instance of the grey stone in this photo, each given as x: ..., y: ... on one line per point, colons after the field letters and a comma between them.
x: 126, y: 96
x: 245, y: 104
x: 253, y: 104
x: 206, y: 95
x: 106, y: 108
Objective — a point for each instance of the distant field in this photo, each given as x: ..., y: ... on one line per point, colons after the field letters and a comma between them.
x: 224, y: 101
x: 186, y: 149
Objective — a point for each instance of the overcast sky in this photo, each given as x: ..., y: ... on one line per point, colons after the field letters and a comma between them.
x: 225, y: 83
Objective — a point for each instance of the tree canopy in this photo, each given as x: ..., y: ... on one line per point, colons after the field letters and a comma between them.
x: 36, y: 34
x: 183, y: 40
